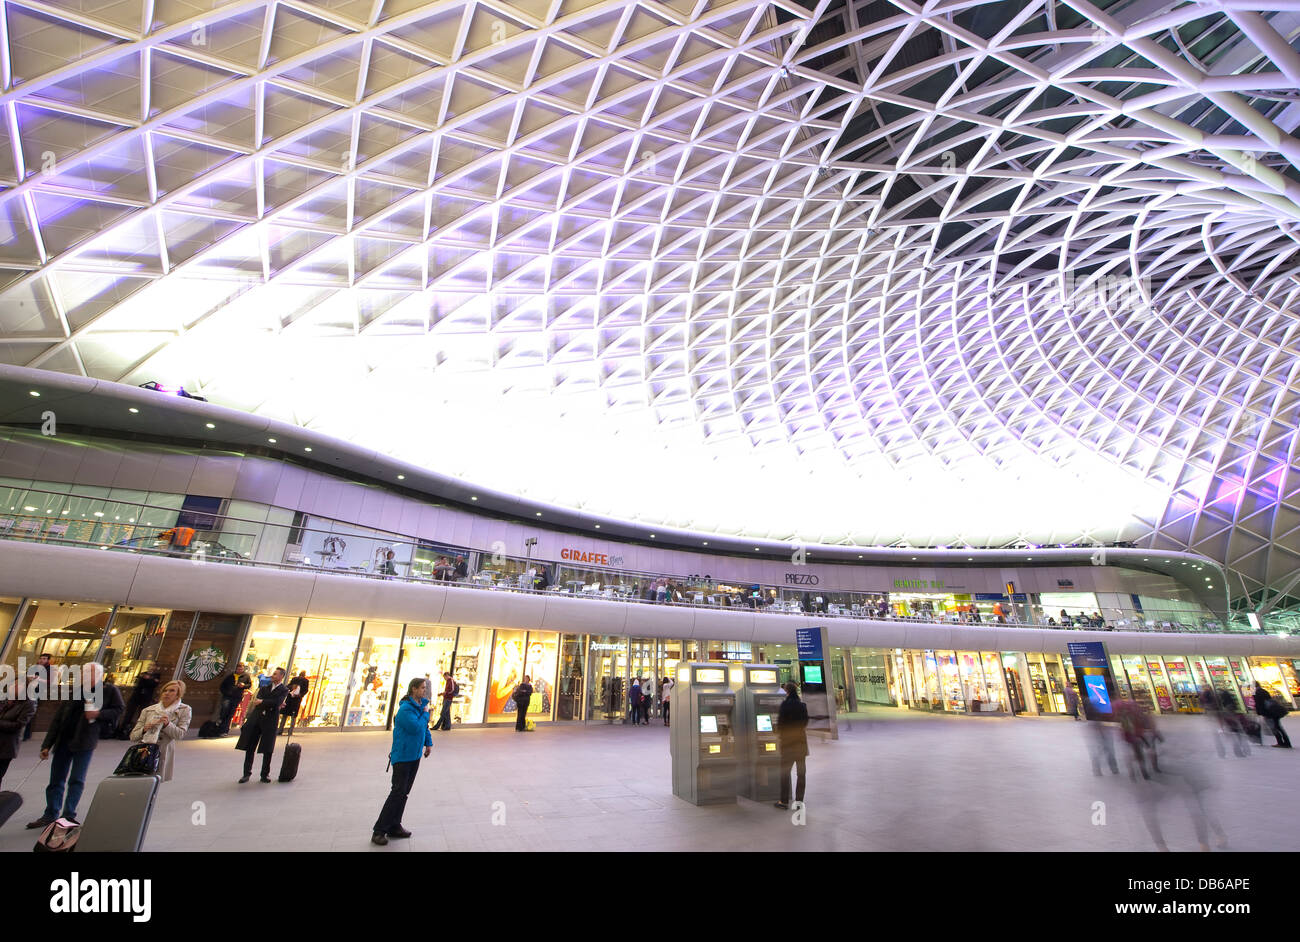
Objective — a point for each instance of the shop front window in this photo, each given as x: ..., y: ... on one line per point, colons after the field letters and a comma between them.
x: 1048, y: 682
x: 134, y: 644
x: 373, y: 681
x: 1139, y: 682
x: 978, y: 697
x: 327, y: 650
x: 1276, y: 676
x: 570, y: 682
x: 993, y: 680
x: 540, y: 665
x: 1187, y: 696
x: 269, y: 644
x: 507, y: 672
x: 1160, y: 684
x: 605, y: 693
x: 473, y: 651
x: 69, y: 632
x: 426, y: 652
x: 1012, y: 675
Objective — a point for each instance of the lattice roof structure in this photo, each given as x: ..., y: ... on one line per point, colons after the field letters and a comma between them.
x: 852, y: 272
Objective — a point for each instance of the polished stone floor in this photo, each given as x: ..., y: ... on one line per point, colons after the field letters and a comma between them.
x: 893, y: 782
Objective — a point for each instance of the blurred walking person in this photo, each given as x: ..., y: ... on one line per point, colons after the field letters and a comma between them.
x: 792, y: 737
x: 410, y: 736
x: 16, y: 714
x: 448, y: 695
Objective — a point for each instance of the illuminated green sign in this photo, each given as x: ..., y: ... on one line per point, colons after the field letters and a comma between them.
x: 918, y: 583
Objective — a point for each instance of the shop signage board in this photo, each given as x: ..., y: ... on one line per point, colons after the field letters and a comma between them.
x: 918, y: 584
x: 817, y: 680
x: 1093, y: 674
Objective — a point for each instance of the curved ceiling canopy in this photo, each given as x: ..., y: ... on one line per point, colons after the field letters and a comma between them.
x: 864, y: 272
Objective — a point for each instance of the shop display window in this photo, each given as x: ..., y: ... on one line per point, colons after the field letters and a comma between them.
x: 1160, y: 685
x: 1186, y: 692
x: 1276, y: 676
x: 269, y: 644
x: 993, y: 680
x: 373, y: 679
x: 508, y: 652
x: 134, y: 644
x: 1139, y: 682
x: 327, y: 650
x: 605, y: 692
x: 473, y: 651
x: 1048, y: 681
x: 70, y: 632
x: 540, y: 664
x: 570, y: 684
x: 427, y: 652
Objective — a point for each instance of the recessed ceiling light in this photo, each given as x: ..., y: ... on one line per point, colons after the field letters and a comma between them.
x: 209, y: 425
x: 34, y: 393
x: 598, y: 526
x: 133, y: 410
x: 652, y: 536
x: 539, y: 513
x: 706, y: 542
x: 271, y: 440
x: 473, y: 498
x: 307, y: 448
x: 401, y: 477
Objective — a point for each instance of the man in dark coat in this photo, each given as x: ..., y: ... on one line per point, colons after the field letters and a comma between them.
x: 791, y: 723
x: 258, y: 732
x: 233, y: 686
x: 141, y: 697
x: 72, y: 737
x: 298, y: 688
x: 523, y: 695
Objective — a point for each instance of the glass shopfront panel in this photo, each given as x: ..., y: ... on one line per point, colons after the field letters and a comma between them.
x: 1013, y: 674
x: 426, y: 652
x: 1139, y: 682
x: 327, y: 649
x: 1221, y: 678
x: 269, y: 644
x: 954, y: 700
x: 979, y: 697
x: 994, y: 681
x: 70, y: 632
x: 134, y: 644
x: 1278, y: 677
x: 373, y: 680
x: 1048, y: 682
x: 1160, y: 684
x: 473, y: 651
x: 570, y: 685
x: 540, y: 665
x: 508, y: 651
x: 605, y: 693
x: 1186, y: 692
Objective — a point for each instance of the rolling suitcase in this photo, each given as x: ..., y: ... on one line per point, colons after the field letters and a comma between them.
x: 9, y: 803
x: 119, y: 814
x: 292, y: 756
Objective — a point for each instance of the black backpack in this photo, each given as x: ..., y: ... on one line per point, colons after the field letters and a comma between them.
x: 455, y: 689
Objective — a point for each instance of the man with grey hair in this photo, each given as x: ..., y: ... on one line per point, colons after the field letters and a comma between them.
x: 71, y: 739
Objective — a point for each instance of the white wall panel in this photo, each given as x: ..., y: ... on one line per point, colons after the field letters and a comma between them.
x: 595, y: 616
x: 258, y: 480
x: 288, y: 491
x: 217, y: 587
x: 215, y: 475
x: 65, y: 573
x: 723, y: 625
x: 173, y: 473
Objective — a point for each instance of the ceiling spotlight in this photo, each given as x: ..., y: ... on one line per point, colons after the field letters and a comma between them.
x: 598, y: 526
x: 308, y: 448
x: 401, y: 477
x: 539, y: 513
x: 652, y: 536
x: 210, y: 425
x: 133, y: 410
x: 473, y: 498
x: 271, y: 440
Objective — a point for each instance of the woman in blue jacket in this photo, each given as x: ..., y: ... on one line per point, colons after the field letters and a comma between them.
x: 410, y: 735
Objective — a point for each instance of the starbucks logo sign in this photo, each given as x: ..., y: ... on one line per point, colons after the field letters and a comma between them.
x: 205, y: 664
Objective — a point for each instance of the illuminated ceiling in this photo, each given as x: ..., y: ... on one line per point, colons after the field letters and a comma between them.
x: 877, y: 272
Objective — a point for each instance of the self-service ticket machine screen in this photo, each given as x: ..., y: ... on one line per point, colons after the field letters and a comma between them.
x: 703, y: 735
x: 760, y: 703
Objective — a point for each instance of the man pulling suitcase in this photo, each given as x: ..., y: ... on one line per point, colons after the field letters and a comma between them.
x: 258, y: 732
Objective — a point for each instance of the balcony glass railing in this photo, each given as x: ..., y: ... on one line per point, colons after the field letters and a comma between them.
x: 343, y: 549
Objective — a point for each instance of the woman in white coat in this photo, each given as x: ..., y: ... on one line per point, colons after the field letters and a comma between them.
x: 165, y: 723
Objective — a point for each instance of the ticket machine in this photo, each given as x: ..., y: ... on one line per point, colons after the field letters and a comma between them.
x: 757, y: 704
x: 703, y: 735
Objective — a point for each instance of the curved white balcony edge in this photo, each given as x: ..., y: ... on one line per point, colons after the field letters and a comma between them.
x: 42, y: 571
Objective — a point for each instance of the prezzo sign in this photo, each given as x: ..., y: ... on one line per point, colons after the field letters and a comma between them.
x: 596, y: 559
x: 801, y: 578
